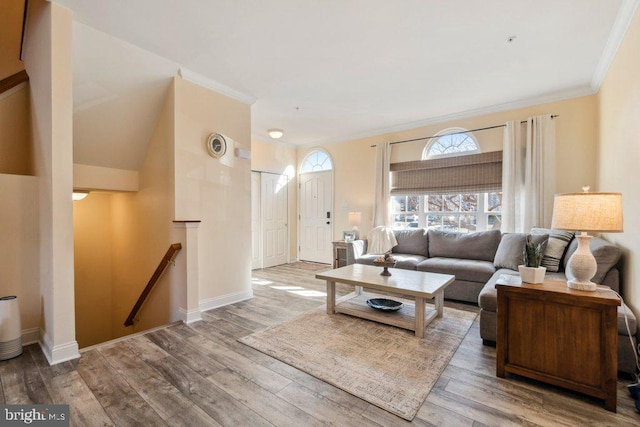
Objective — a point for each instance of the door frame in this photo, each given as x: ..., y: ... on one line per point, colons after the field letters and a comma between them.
x: 288, y: 237
x: 333, y: 195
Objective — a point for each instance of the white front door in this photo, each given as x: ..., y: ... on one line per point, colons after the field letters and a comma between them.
x: 274, y: 212
x: 256, y: 222
x: 316, y: 217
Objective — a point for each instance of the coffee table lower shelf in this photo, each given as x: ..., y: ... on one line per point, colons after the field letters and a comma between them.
x: 404, y: 318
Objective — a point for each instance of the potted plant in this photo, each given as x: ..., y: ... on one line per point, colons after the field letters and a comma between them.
x: 530, y: 271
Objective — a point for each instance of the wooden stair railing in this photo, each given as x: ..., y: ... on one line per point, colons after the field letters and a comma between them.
x: 168, y: 258
x: 13, y: 81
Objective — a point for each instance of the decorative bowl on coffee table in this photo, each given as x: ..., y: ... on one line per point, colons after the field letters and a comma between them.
x: 386, y: 265
x: 384, y: 304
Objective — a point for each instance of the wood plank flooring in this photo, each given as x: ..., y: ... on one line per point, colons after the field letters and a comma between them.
x: 199, y: 375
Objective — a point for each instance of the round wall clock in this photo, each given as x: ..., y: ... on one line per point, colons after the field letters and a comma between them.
x: 216, y: 145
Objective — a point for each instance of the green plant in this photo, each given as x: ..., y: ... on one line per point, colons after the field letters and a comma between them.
x: 532, y: 253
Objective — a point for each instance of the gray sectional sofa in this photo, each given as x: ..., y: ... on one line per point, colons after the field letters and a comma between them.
x: 478, y: 259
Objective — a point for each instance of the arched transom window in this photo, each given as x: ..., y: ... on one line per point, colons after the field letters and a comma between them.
x: 316, y: 161
x: 452, y: 142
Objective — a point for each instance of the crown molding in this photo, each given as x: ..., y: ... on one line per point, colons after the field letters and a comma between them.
x: 620, y: 27
x: 527, y: 102
x: 203, y: 81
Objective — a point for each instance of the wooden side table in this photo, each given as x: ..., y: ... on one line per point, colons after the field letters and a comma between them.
x: 560, y: 336
x: 341, y: 254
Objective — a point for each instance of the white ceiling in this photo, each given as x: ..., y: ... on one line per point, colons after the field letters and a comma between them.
x: 332, y: 70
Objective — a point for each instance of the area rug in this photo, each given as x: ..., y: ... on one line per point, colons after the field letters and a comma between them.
x: 386, y: 366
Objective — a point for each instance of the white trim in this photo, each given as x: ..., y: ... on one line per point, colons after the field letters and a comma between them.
x: 618, y: 31
x: 59, y: 353
x: 211, y: 303
x: 527, y: 102
x: 186, y: 224
x: 30, y: 336
x: 189, y: 316
x: 13, y: 90
x: 126, y: 337
x: 203, y: 81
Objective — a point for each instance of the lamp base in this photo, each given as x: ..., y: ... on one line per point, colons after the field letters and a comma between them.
x: 581, y: 286
x: 582, y: 266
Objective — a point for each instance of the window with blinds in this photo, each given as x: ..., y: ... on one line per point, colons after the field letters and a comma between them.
x: 461, y: 192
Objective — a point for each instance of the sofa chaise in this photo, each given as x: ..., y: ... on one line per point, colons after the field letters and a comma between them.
x: 479, y: 259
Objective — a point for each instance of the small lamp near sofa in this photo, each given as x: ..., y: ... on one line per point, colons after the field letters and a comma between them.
x: 354, y: 220
x: 596, y: 212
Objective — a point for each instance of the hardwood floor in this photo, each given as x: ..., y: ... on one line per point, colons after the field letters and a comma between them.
x: 199, y: 375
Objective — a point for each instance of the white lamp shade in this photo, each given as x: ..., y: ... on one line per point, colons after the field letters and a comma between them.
x: 355, y: 218
x: 600, y: 212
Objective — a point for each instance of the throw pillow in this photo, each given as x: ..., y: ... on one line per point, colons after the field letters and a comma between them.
x: 511, y: 248
x: 556, y: 246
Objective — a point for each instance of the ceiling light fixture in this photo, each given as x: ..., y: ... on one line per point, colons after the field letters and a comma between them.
x: 79, y: 195
x: 276, y: 133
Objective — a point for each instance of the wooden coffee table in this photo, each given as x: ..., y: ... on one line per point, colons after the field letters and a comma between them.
x: 417, y: 284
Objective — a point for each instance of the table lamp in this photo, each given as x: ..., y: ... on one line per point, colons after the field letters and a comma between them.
x: 354, y: 221
x: 596, y: 212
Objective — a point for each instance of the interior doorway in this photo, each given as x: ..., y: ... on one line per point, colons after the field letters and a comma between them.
x: 269, y: 219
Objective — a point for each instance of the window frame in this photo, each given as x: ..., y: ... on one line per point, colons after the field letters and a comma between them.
x: 307, y: 159
x: 445, y: 132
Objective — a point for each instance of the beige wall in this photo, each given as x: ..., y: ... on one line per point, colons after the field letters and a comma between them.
x: 215, y: 191
x: 354, y: 160
x: 280, y: 159
x: 92, y: 233
x: 10, y: 37
x: 20, y: 249
x: 619, y: 152
x: 48, y: 60
x: 142, y: 230
x: 15, y: 132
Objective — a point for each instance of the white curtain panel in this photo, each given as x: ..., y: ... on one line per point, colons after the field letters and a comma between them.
x: 382, y: 199
x: 513, y: 152
x: 539, y: 172
x: 528, y: 174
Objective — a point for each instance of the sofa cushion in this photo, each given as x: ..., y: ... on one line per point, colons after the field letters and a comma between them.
x: 366, y: 259
x: 406, y: 261
x: 511, y: 248
x: 469, y: 270
x: 556, y: 246
x: 481, y: 245
x: 488, y: 297
x: 412, y: 242
x: 606, y: 254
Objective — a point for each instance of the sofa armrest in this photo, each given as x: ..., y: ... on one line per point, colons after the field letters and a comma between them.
x: 357, y: 249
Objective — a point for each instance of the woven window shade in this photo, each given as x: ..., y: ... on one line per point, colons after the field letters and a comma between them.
x: 473, y: 173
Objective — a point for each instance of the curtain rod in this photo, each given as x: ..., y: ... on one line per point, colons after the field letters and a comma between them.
x: 456, y: 133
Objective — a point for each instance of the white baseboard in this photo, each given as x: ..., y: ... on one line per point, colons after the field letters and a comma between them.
x: 30, y: 336
x: 59, y: 353
x: 211, y: 303
x: 189, y: 316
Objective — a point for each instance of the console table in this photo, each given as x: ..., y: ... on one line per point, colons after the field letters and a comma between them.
x: 560, y: 336
x: 341, y: 254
